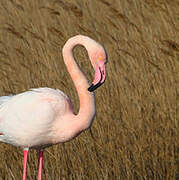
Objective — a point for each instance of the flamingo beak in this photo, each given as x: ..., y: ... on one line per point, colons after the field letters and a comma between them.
x: 99, y: 77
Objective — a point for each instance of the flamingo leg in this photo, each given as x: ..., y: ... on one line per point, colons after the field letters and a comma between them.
x: 40, y: 164
x: 26, y: 150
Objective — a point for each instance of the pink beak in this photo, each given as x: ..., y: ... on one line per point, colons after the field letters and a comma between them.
x: 99, y: 77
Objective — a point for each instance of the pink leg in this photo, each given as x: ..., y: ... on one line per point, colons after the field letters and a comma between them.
x: 40, y: 164
x: 26, y: 150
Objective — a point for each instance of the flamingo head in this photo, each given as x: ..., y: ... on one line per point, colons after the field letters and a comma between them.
x: 98, y: 59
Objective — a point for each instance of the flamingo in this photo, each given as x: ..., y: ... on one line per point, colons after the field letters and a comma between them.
x: 42, y: 117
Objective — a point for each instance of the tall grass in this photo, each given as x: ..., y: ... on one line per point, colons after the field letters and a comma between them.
x: 135, y: 132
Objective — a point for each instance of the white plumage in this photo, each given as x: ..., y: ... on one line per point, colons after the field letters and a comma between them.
x: 3, y: 99
x: 37, y: 109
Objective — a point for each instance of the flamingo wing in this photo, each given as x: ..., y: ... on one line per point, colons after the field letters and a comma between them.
x: 26, y: 119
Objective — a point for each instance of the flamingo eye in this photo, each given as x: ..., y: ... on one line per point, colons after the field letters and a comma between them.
x: 100, y: 58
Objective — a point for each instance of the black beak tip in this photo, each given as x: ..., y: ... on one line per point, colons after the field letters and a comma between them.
x: 94, y: 87
x: 91, y: 88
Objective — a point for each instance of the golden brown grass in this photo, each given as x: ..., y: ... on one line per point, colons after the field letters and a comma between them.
x: 135, y: 132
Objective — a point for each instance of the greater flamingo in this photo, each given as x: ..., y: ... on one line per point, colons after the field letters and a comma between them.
x: 42, y: 117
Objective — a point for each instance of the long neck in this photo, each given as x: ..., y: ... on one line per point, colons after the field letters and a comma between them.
x: 87, y: 99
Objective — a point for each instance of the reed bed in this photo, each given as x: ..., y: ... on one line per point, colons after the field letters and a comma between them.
x: 135, y: 132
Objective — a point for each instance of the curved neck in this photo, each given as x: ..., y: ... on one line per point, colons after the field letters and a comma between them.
x: 87, y: 99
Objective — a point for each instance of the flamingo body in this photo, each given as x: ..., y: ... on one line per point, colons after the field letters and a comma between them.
x: 32, y: 114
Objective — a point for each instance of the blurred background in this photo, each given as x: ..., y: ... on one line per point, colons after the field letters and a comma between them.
x: 135, y: 131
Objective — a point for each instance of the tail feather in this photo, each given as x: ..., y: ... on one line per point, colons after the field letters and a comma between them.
x: 1, y: 137
x: 4, y: 99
